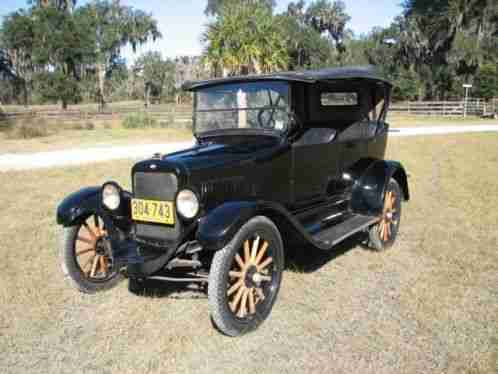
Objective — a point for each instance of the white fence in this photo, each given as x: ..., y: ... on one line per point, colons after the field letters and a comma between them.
x: 474, y: 107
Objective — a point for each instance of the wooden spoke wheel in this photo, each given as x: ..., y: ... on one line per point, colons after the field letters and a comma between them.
x: 245, y: 277
x: 383, y: 234
x: 91, y: 250
x: 248, y: 276
x: 86, y: 256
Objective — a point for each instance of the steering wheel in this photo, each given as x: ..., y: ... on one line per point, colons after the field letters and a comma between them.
x: 268, y: 123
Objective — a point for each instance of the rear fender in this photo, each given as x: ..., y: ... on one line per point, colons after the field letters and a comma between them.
x: 219, y: 226
x: 368, y: 191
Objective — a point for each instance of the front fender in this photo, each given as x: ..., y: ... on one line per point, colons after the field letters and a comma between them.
x: 78, y: 205
x: 368, y: 191
x: 220, y: 225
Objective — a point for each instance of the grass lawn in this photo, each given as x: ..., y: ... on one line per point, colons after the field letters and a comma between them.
x: 428, y: 305
x: 100, y: 137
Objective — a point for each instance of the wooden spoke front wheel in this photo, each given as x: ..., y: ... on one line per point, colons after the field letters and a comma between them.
x: 86, y: 256
x: 248, y: 276
x: 91, y: 250
x: 383, y: 234
x: 245, y: 277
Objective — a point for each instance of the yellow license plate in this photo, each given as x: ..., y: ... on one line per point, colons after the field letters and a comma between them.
x: 153, y: 211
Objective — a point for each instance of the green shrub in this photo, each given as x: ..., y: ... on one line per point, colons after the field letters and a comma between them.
x: 28, y: 129
x: 139, y: 121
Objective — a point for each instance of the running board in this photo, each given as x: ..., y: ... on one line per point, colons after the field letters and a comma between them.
x: 331, y: 236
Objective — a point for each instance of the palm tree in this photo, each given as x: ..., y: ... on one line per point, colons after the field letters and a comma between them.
x: 68, y: 5
x: 245, y: 39
x: 329, y: 17
x: 214, y: 7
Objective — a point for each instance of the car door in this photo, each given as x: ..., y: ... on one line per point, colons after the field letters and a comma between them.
x: 315, y: 166
x: 352, y: 146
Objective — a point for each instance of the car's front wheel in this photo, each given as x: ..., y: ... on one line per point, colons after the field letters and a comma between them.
x: 245, y: 277
x: 86, y: 257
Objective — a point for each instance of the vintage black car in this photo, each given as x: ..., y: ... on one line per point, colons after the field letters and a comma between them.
x: 285, y: 159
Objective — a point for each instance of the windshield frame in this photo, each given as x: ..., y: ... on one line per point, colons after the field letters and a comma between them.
x: 236, y: 130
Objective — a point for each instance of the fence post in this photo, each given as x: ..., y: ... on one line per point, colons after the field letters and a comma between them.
x: 409, y: 111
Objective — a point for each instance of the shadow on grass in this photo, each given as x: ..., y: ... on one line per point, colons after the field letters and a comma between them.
x: 307, y: 259
x: 172, y: 290
x: 301, y: 259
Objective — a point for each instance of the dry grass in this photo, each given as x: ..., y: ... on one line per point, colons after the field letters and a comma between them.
x: 89, y: 134
x: 428, y: 305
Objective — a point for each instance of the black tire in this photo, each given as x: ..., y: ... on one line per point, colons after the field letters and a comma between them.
x: 136, y: 286
x: 382, y: 235
x: 108, y: 277
x: 259, y: 282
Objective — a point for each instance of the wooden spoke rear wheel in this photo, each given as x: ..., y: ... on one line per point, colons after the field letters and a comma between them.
x: 383, y: 234
x: 86, y: 256
x: 245, y: 277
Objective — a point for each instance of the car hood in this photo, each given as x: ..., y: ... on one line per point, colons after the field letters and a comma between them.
x: 213, y: 155
x: 223, y: 153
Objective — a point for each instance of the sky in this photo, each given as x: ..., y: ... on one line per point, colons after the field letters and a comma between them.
x: 182, y: 21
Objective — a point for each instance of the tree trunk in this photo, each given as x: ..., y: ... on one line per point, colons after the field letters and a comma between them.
x: 101, y: 83
x: 147, y: 95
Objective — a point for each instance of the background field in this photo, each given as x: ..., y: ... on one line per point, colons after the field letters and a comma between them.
x: 428, y: 305
x: 53, y: 129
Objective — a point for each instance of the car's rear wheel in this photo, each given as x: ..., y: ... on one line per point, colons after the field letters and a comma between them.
x: 383, y: 234
x: 245, y: 277
x: 86, y: 256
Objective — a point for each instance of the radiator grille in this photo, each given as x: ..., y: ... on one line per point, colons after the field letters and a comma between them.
x: 156, y: 186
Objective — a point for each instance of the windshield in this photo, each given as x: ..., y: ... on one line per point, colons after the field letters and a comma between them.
x: 255, y: 105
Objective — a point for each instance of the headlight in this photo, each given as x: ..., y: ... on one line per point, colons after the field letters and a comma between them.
x: 111, y: 196
x: 187, y: 204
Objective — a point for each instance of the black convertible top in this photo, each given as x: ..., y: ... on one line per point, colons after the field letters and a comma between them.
x: 306, y: 76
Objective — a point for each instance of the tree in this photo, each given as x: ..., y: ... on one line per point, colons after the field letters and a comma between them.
x: 17, y: 39
x: 114, y: 26
x: 306, y: 47
x: 214, y: 7
x: 446, y: 41
x: 329, y: 17
x: 64, y: 5
x: 157, y: 73
x: 315, y: 35
x: 245, y: 38
x: 487, y: 81
x: 61, y: 45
